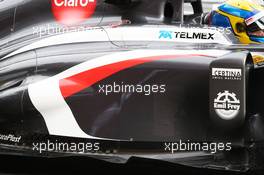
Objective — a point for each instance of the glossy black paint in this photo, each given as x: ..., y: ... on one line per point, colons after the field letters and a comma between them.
x: 182, y: 113
x: 118, y: 115
x: 184, y: 106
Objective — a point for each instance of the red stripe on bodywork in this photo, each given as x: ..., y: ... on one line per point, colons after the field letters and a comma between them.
x: 83, y: 80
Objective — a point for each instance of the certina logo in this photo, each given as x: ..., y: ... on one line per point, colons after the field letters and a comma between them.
x: 186, y: 35
x: 226, y: 105
x: 72, y: 12
x: 226, y: 74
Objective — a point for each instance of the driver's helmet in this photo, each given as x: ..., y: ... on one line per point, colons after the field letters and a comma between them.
x: 244, y: 17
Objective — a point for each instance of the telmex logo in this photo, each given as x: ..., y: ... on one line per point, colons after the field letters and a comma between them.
x: 185, y: 35
x: 72, y: 12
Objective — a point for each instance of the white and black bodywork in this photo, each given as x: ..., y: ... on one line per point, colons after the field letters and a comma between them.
x: 130, y: 88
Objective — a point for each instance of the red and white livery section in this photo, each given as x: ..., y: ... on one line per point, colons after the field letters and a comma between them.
x: 48, y: 96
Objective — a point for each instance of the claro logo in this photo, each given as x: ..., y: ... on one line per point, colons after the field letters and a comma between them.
x: 72, y: 12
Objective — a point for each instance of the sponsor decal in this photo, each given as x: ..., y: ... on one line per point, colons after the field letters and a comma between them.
x: 165, y: 34
x: 226, y: 74
x: 195, y: 35
x: 10, y: 137
x: 186, y: 35
x: 227, y: 105
x: 254, y: 18
x: 258, y: 60
x: 72, y: 12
